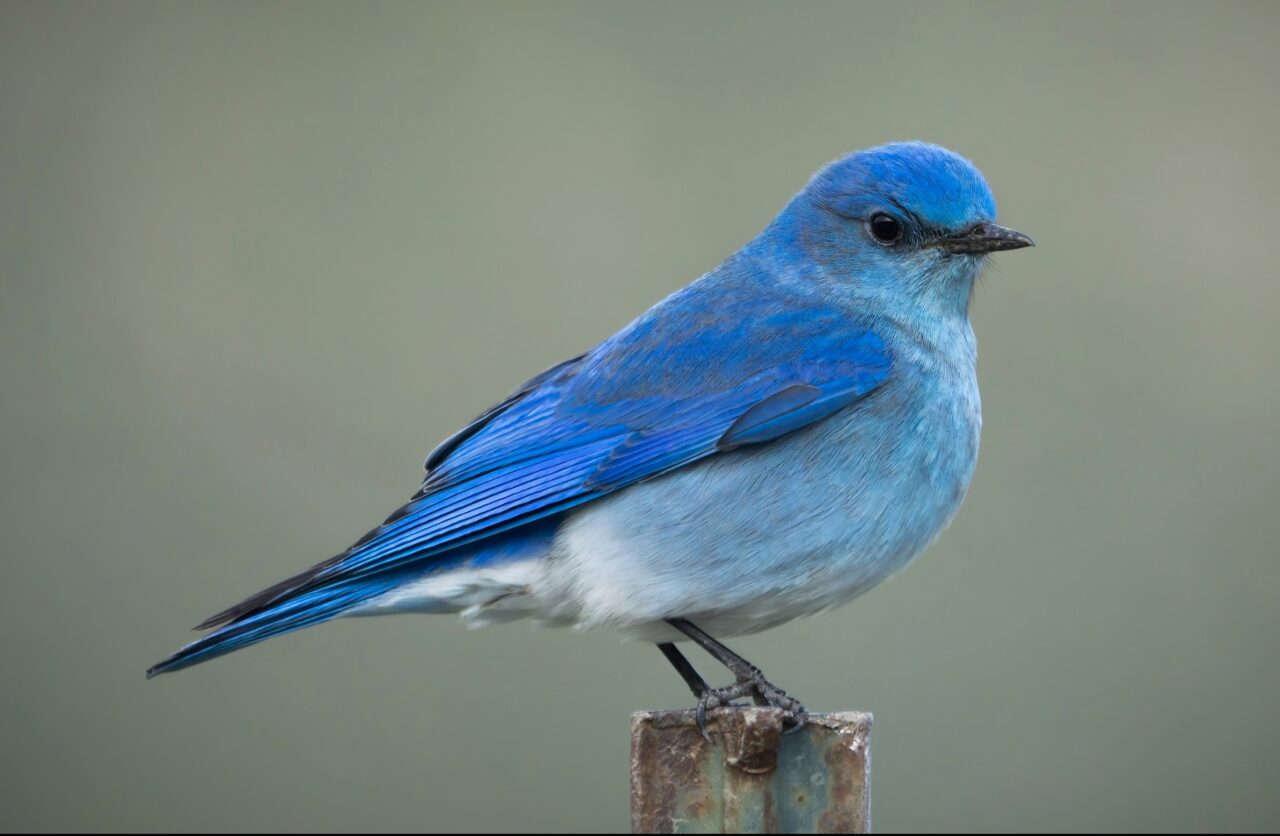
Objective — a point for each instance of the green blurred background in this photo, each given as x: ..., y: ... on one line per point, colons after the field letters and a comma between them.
x: 256, y: 259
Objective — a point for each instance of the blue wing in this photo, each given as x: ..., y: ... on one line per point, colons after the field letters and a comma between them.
x: 674, y: 387
x: 539, y: 463
x: 559, y: 446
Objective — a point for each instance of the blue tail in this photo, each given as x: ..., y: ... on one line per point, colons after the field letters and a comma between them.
x: 295, y: 603
x: 294, y: 613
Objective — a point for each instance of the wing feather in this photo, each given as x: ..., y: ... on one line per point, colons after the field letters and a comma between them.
x: 640, y: 405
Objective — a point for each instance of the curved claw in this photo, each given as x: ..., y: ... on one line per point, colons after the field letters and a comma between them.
x: 796, y: 721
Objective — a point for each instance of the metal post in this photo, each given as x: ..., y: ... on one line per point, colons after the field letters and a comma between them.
x: 750, y: 778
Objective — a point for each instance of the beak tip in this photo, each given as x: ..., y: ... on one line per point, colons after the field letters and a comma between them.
x: 987, y: 238
x: 1004, y: 238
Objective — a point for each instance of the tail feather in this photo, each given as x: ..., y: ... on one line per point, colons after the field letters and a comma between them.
x: 309, y: 598
x: 260, y: 601
x: 287, y: 588
x: 295, y: 613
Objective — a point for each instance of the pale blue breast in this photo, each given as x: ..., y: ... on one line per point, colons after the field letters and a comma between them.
x: 747, y: 540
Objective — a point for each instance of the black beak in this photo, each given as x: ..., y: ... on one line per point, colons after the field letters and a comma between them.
x: 985, y: 238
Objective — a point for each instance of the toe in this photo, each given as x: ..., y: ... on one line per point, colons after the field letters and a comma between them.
x: 700, y: 720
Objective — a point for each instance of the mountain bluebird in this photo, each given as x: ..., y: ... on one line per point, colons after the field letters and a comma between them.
x: 771, y: 441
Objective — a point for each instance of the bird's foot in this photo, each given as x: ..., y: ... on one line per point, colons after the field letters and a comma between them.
x: 761, y: 691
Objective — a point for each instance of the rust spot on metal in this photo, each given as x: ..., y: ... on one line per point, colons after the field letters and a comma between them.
x: 770, y: 813
x: 848, y: 807
x: 750, y: 778
x: 751, y: 740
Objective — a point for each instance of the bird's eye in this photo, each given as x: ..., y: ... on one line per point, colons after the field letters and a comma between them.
x: 885, y: 228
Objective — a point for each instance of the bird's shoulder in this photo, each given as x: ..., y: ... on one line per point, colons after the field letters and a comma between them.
x: 739, y: 336
x: 727, y: 327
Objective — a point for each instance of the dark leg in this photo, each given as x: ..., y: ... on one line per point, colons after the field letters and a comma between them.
x: 750, y: 682
x: 691, y: 677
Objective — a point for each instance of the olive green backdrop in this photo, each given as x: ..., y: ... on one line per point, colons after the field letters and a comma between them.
x: 256, y: 259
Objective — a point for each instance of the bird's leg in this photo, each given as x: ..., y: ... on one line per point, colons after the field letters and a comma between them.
x: 749, y: 681
x: 691, y: 677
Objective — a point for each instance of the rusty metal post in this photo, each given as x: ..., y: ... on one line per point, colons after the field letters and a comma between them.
x: 750, y: 778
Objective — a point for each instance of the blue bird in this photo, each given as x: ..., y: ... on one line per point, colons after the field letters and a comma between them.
x: 770, y: 441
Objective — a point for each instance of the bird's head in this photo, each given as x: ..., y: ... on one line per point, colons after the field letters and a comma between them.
x: 908, y: 221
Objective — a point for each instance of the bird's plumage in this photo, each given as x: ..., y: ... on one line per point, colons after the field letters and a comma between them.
x: 765, y: 442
